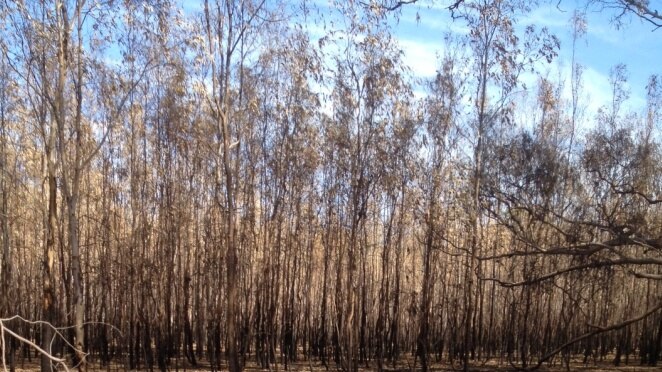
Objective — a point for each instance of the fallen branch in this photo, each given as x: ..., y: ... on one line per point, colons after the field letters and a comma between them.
x: 4, y: 329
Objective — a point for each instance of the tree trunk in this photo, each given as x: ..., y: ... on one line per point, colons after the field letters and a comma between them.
x: 48, y: 304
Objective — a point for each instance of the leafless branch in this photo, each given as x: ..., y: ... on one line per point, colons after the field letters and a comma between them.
x: 589, y: 265
x: 641, y: 9
x: 398, y: 4
x: 596, y: 331
x: 4, y: 329
x: 641, y: 275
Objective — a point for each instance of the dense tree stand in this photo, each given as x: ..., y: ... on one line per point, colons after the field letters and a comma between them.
x: 227, y: 185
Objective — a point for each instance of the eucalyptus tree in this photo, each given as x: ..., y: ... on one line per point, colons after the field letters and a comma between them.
x: 501, y: 56
x: 78, y: 51
x: 442, y: 120
x: 28, y: 54
x: 585, y: 225
x: 369, y: 98
x: 133, y: 40
x: 285, y: 108
x: 55, y: 51
x: 8, y: 177
x: 229, y: 28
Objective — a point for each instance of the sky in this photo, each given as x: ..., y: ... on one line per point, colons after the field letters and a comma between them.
x: 421, y: 28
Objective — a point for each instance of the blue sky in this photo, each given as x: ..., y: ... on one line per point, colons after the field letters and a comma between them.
x: 635, y: 44
x: 421, y: 27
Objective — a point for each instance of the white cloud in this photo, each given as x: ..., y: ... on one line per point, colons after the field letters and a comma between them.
x: 440, y: 24
x: 546, y: 16
x: 421, y: 57
x: 431, y: 21
x: 599, y: 93
x: 595, y: 91
x: 596, y: 88
x: 605, y: 33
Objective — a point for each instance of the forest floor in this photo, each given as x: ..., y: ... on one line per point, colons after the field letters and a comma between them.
x: 403, y: 366
x: 406, y: 364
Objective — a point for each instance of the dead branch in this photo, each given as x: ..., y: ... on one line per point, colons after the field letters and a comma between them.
x: 590, y: 265
x: 4, y: 329
x: 597, y: 330
x: 398, y: 4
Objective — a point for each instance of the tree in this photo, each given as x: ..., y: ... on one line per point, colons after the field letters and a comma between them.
x: 7, y: 184
x: 34, y: 52
x: 443, y: 108
x: 585, y: 215
x: 642, y: 9
x: 227, y: 27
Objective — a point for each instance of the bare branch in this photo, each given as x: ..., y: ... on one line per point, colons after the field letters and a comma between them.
x: 597, y: 330
x: 587, y: 249
x: 393, y: 7
x: 116, y: 114
x: 590, y: 265
x: 398, y: 4
x: 642, y: 10
x: 3, y: 329
x: 645, y: 275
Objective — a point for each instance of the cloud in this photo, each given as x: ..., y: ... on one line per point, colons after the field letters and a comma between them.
x: 546, y: 16
x: 599, y: 93
x: 422, y: 41
x: 595, y: 92
x: 432, y: 20
x: 596, y: 88
x: 420, y: 56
